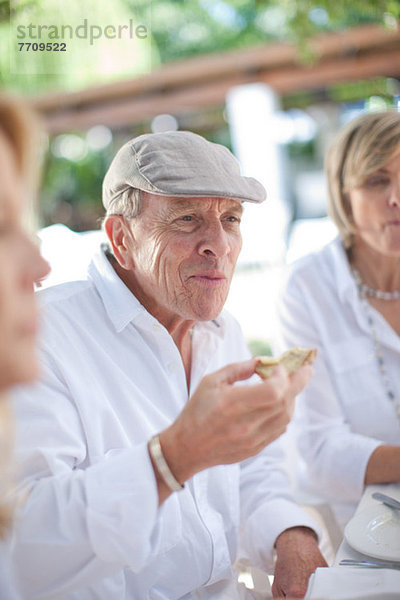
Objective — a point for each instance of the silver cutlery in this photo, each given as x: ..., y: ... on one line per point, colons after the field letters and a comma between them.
x: 388, y: 500
x: 383, y: 564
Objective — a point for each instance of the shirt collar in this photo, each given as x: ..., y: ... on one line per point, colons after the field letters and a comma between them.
x: 215, y: 327
x: 121, y: 304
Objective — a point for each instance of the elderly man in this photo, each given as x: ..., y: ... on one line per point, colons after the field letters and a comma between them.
x: 141, y: 456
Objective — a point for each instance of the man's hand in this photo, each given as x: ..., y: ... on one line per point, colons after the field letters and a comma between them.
x: 298, y: 556
x: 223, y: 423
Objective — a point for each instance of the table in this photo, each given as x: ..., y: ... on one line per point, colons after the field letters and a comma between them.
x: 348, y: 583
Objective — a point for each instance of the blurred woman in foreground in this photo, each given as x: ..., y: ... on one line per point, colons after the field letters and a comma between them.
x: 345, y: 300
x: 20, y: 266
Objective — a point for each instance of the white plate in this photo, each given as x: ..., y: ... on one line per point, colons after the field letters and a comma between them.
x: 375, y: 531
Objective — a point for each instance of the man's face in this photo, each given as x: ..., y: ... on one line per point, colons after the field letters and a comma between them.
x: 184, y: 252
x: 375, y: 208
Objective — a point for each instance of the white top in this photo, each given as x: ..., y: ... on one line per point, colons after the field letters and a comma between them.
x: 344, y: 413
x: 7, y: 584
x: 112, y: 377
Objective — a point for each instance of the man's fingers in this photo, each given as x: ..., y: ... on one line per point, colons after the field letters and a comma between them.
x: 279, y: 379
x: 236, y: 372
x: 265, y: 394
x: 300, y: 378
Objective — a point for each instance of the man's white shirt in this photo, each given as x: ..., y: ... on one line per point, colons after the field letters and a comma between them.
x: 111, y: 378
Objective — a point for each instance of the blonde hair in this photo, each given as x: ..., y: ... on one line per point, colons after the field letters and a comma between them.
x: 22, y: 130
x: 361, y: 148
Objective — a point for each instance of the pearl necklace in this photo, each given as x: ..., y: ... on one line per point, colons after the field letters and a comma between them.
x: 363, y: 292
x: 368, y: 291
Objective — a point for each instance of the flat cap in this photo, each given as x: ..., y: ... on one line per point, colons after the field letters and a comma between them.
x: 178, y: 164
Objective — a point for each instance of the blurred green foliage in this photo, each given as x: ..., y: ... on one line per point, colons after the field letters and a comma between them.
x: 71, y: 190
x: 88, y: 58
x: 259, y: 347
x: 181, y: 29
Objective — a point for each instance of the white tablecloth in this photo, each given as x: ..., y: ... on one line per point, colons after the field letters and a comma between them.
x: 354, y: 583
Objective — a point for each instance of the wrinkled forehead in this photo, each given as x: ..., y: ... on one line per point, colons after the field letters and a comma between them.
x: 179, y: 204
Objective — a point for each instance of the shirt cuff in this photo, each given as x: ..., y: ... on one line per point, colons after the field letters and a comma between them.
x: 258, y: 535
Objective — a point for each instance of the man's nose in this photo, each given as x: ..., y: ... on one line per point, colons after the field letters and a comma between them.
x: 215, y: 241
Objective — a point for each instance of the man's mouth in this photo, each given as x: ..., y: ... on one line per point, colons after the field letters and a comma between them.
x: 210, y: 277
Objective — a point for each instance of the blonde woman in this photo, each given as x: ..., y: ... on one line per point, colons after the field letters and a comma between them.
x: 20, y: 266
x: 345, y: 300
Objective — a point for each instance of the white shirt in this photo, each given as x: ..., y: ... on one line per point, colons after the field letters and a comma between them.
x: 344, y: 413
x: 7, y: 584
x: 92, y: 529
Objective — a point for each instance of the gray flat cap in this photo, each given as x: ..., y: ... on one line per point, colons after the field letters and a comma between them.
x: 180, y: 164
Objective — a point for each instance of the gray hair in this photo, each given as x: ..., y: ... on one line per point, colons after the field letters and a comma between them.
x: 128, y: 204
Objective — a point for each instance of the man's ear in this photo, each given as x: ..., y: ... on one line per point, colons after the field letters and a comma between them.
x: 121, y: 240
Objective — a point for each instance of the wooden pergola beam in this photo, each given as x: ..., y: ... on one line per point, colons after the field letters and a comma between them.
x: 326, y: 73
x: 195, y: 84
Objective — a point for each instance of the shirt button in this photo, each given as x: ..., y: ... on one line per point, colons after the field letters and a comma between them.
x: 156, y: 327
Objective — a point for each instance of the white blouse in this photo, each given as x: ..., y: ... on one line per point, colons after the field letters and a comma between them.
x: 345, y: 412
x: 112, y: 377
x: 7, y: 584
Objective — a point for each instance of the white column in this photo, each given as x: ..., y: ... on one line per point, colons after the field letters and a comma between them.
x: 254, y: 129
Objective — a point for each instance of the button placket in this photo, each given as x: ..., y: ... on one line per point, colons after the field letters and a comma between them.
x: 221, y: 561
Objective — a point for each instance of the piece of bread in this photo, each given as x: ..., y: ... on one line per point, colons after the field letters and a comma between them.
x: 292, y: 360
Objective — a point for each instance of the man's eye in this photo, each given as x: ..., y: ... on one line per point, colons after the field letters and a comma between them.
x: 187, y: 218
x: 233, y: 219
